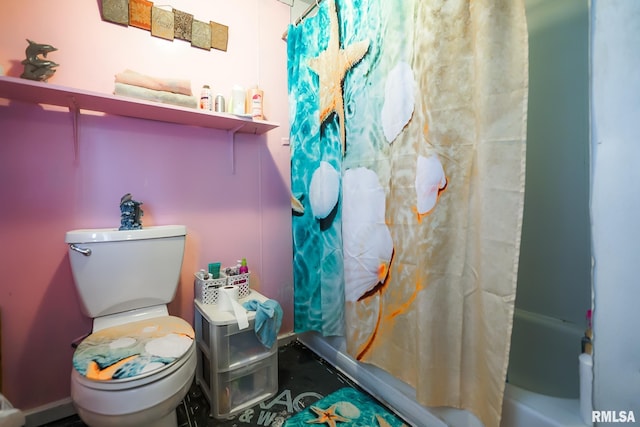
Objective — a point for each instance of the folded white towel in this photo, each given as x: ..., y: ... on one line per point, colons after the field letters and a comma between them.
x: 134, y: 78
x: 156, y: 95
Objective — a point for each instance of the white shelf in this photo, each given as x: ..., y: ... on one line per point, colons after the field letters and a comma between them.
x: 35, y: 92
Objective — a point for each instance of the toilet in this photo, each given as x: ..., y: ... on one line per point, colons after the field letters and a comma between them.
x: 138, y: 363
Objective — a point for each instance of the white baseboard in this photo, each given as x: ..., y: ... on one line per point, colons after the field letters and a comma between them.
x: 49, y: 413
x: 285, y: 339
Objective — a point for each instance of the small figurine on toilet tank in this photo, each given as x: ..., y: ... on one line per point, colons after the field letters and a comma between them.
x: 130, y: 213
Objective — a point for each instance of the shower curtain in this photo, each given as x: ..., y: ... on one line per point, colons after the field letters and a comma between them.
x: 408, y: 134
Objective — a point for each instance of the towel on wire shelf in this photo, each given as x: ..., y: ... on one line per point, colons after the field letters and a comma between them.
x: 268, y: 320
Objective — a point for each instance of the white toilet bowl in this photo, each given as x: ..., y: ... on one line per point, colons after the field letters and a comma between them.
x: 144, y: 400
x: 139, y: 362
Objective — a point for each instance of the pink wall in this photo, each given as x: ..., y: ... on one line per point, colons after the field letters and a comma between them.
x: 181, y: 173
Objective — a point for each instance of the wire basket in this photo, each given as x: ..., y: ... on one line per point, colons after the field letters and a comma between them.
x: 242, y: 282
x: 207, y: 290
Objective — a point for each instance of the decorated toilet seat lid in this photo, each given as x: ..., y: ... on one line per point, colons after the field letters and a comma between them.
x: 133, y: 350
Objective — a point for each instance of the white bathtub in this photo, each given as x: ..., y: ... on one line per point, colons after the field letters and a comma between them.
x: 521, y: 408
x: 544, y: 358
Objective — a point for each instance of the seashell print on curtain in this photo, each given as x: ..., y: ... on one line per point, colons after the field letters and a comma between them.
x: 408, y: 136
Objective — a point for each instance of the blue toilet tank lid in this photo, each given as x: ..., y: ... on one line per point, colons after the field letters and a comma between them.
x: 114, y: 235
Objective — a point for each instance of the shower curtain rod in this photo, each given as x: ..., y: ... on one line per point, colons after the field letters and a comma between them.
x: 306, y: 13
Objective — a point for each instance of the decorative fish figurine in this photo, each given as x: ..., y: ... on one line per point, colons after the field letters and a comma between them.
x: 35, y: 67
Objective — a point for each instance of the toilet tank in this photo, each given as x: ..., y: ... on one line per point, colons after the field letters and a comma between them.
x: 116, y: 271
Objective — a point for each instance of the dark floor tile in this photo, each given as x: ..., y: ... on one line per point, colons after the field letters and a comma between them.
x: 73, y: 421
x: 303, y: 378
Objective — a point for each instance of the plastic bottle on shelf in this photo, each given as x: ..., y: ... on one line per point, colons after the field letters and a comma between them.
x: 255, y: 100
x: 219, y: 104
x: 237, y: 102
x: 205, y: 98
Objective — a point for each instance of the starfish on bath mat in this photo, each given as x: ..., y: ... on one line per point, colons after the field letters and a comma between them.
x: 327, y: 416
x: 331, y: 66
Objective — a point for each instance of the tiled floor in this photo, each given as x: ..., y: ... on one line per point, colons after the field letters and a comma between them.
x: 303, y: 378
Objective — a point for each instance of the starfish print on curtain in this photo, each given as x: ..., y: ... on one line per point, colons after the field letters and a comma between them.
x: 331, y: 66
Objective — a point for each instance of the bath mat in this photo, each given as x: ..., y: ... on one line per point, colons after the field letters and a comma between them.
x: 345, y: 407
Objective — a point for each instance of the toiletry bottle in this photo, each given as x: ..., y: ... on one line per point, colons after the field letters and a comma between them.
x: 237, y: 104
x: 219, y: 104
x: 205, y: 98
x: 214, y: 270
x: 255, y: 99
x: 588, y: 335
x: 243, y: 266
x: 585, y: 363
